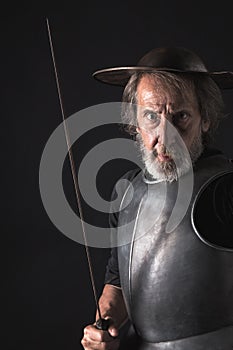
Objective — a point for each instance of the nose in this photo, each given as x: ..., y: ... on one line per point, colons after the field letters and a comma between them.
x: 162, y: 130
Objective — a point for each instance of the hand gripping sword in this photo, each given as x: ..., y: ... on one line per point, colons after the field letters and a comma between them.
x: 101, y: 323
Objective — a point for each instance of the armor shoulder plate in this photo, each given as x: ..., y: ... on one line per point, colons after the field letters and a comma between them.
x: 212, y: 211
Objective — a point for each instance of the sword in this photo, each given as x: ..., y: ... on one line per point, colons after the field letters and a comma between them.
x: 101, y: 323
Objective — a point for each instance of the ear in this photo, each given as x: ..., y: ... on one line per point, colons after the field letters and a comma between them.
x: 205, y: 124
x: 138, y: 130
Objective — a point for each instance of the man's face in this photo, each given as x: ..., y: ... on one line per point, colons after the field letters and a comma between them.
x: 162, y: 112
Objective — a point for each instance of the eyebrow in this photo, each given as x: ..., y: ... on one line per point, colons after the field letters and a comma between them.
x: 148, y: 109
x: 153, y: 110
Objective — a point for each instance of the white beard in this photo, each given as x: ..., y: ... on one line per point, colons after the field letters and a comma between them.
x: 180, y: 164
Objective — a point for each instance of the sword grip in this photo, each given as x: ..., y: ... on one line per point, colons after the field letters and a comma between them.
x: 102, y: 324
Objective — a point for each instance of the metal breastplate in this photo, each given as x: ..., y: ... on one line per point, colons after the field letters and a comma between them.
x: 175, y: 286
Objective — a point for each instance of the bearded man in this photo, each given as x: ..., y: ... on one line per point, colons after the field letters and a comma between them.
x: 171, y: 273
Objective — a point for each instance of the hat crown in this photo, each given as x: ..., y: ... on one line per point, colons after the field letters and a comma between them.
x: 173, y: 58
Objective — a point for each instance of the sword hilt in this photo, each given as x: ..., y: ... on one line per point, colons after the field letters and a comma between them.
x: 102, y: 324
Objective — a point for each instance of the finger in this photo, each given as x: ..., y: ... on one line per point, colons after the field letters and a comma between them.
x: 93, y: 345
x: 113, y: 331
x: 94, y: 334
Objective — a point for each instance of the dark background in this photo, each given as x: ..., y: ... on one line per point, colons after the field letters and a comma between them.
x: 46, y: 285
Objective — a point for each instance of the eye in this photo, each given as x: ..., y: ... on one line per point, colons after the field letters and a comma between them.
x: 181, y: 117
x: 151, y: 116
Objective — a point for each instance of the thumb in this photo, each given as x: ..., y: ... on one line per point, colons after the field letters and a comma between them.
x: 113, y: 331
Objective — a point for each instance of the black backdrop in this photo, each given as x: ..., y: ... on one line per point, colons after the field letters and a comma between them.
x: 46, y: 285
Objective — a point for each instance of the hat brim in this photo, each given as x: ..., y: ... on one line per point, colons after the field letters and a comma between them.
x: 120, y: 75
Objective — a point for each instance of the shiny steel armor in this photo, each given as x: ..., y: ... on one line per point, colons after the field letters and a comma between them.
x: 177, y: 287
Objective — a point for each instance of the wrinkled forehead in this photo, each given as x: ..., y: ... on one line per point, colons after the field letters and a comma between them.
x: 158, y: 90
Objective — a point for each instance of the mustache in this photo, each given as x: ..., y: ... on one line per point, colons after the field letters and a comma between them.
x: 163, y: 150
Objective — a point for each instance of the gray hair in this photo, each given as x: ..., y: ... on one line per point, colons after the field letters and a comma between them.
x: 208, y: 94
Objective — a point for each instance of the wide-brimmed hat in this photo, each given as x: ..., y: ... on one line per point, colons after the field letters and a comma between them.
x: 169, y: 59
